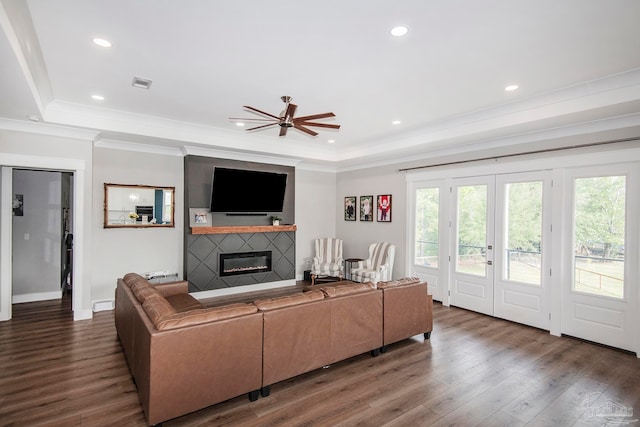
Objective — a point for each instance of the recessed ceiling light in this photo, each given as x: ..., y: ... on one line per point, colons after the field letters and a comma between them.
x: 98, y: 97
x: 396, y: 122
x: 511, y: 88
x: 239, y: 124
x: 399, y: 31
x: 102, y: 42
x: 331, y: 141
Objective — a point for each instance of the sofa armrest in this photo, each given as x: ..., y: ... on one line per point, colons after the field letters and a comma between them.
x: 172, y: 288
x: 408, y: 311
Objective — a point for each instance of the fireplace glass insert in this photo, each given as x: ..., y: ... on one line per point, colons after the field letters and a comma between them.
x: 232, y: 264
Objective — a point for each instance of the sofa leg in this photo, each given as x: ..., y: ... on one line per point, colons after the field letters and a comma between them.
x: 427, y: 335
x: 265, y: 391
x: 375, y: 352
x: 383, y: 349
x: 253, y: 395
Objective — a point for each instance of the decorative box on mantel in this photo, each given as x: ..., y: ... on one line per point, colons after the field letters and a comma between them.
x: 205, y: 245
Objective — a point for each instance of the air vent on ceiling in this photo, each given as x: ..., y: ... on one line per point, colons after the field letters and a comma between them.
x: 140, y: 82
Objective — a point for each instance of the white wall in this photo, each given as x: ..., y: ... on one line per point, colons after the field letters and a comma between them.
x: 358, y: 235
x: 315, y: 207
x: 37, y: 236
x: 118, y: 251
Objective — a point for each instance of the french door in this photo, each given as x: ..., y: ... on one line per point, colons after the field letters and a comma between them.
x: 600, y: 289
x: 472, y: 235
x: 522, y: 250
x: 499, y: 239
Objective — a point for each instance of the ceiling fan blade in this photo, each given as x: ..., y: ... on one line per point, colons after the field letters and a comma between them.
x: 246, y: 119
x: 260, y: 112
x: 291, y: 110
x: 263, y: 126
x: 283, y: 130
x: 304, y: 129
x: 320, y: 125
x: 315, y: 116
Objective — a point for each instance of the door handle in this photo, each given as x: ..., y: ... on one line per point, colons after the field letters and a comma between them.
x: 490, y: 262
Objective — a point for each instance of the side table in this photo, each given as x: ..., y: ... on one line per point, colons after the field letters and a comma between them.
x: 348, y: 263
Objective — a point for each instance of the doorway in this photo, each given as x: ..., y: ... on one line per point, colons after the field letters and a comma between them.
x: 81, y: 303
x: 41, y: 229
x: 485, y: 243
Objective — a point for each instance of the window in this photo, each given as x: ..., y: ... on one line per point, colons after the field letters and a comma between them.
x: 427, y: 232
x: 472, y: 230
x: 599, y: 230
x: 523, y: 235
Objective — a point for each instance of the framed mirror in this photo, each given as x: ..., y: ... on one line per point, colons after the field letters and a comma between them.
x: 138, y: 206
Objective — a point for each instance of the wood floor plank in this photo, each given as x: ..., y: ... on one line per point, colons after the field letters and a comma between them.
x: 475, y: 370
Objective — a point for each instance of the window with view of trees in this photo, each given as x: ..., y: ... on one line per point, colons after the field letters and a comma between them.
x: 427, y: 233
x: 523, y: 238
x: 599, y: 232
x: 472, y: 230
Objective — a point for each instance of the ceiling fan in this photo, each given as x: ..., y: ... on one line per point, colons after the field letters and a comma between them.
x: 287, y: 120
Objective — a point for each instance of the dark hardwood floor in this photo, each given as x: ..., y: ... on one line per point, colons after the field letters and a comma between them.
x: 475, y: 370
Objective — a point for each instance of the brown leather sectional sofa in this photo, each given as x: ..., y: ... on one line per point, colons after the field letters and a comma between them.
x: 184, y: 356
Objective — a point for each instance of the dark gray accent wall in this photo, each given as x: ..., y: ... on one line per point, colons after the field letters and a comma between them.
x: 202, y: 251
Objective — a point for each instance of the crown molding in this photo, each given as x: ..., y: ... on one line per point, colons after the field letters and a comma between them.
x: 141, y: 148
x: 236, y: 155
x: 48, y: 129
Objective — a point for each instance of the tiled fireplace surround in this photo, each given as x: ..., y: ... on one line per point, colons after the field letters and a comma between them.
x: 204, y: 256
x: 202, y: 251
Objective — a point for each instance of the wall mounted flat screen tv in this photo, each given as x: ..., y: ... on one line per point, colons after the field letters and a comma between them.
x: 238, y: 191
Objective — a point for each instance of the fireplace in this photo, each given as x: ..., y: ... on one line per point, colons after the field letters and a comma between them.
x: 232, y: 264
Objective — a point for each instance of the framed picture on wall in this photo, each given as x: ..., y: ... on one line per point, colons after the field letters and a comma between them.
x: 384, y: 208
x: 366, y: 208
x: 350, y: 208
x: 199, y: 217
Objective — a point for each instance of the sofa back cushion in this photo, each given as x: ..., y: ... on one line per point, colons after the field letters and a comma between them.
x: 157, y: 308
x: 288, y: 300
x: 143, y: 290
x: 204, y: 315
x: 131, y: 278
x: 399, y: 282
x: 347, y: 289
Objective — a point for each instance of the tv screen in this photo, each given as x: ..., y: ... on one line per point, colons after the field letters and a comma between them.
x: 246, y: 191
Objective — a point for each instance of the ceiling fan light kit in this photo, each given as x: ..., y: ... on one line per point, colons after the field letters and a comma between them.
x: 287, y: 120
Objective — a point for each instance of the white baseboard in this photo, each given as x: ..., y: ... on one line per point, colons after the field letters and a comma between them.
x: 104, y: 305
x: 242, y: 289
x: 37, y: 296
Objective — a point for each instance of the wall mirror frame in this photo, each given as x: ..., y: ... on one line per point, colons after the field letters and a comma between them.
x: 138, y: 206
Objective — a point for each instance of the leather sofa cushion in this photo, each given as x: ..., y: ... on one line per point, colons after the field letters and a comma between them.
x: 183, y: 302
x: 131, y: 278
x: 288, y: 300
x: 399, y: 282
x: 157, y: 308
x: 204, y: 315
x: 142, y: 290
x: 347, y: 289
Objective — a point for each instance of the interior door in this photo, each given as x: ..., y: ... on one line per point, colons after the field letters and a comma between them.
x: 472, y: 240
x: 600, y: 289
x: 523, y: 231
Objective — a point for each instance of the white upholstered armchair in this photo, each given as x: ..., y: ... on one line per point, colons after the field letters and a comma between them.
x: 328, y: 259
x: 378, y: 267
